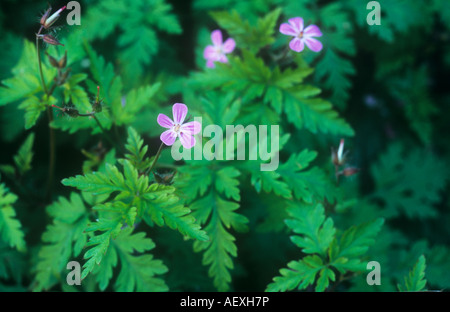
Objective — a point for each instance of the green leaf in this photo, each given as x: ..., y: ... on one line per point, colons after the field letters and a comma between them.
x: 300, y: 274
x: 251, y: 79
x: 219, y: 215
x: 124, y: 112
x: 33, y: 107
x: 226, y: 182
x: 415, y: 281
x: 135, y: 48
x: 110, y: 228
x: 317, y: 231
x: 308, y: 185
x: 165, y: 208
x: 99, y: 183
x: 25, y: 154
x: 409, y: 181
x: 251, y: 37
x: 345, y: 252
x: 137, y: 151
x: 10, y: 227
x: 63, y: 239
x: 138, y: 271
x: 26, y: 80
x: 195, y: 181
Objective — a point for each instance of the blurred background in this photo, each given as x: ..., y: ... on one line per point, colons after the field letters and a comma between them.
x: 389, y: 82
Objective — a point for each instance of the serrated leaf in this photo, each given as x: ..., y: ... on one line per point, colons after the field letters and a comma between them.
x: 63, y: 240
x: 415, y: 281
x: 10, y: 227
x: 317, y: 231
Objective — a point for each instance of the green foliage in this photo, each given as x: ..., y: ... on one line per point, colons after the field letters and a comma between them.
x: 216, y: 209
x: 137, y: 273
x: 137, y: 151
x: 63, y: 239
x: 22, y: 160
x: 136, y: 48
x: 10, y: 227
x: 404, y: 183
x: 123, y: 202
x: 415, y: 281
x: 25, y: 84
x: 283, y: 91
x: 134, y: 197
x: 247, y: 36
x: 327, y: 250
x: 395, y: 19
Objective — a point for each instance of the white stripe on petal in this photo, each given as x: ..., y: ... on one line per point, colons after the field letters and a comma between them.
x: 164, y: 121
x: 187, y: 140
x: 179, y: 111
x: 192, y: 127
x: 168, y: 137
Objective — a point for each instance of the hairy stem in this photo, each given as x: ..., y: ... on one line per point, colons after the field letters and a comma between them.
x: 52, y: 156
x: 44, y: 86
x: 103, y: 129
x: 156, y: 159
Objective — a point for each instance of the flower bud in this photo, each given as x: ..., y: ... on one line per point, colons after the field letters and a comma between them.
x: 69, y: 111
x: 349, y: 171
x: 52, y: 19
x: 338, y: 158
x: 45, y: 16
x: 52, y: 60
x: 50, y: 40
x: 63, y: 61
x: 97, y: 105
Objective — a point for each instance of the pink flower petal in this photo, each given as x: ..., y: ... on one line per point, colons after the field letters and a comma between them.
x: 210, y: 53
x: 223, y: 58
x: 297, y: 45
x: 313, y: 44
x: 297, y: 24
x: 210, y: 64
x: 192, y: 127
x: 216, y: 37
x: 164, y: 121
x: 187, y: 140
x: 287, y: 29
x: 179, y: 111
x: 229, y: 45
x: 168, y: 137
x: 312, y: 31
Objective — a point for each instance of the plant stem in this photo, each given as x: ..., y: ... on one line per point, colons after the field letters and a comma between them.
x: 51, y: 166
x: 44, y: 86
x: 156, y: 159
x: 103, y: 130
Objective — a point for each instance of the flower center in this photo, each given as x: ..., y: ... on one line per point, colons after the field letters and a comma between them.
x: 177, y: 128
x: 219, y: 50
x: 300, y: 35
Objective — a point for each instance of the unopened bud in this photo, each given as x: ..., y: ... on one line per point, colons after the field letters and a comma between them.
x: 50, y: 40
x: 44, y: 17
x: 97, y: 105
x: 69, y: 111
x: 52, y: 19
x: 349, y: 171
x: 52, y: 60
x: 164, y: 178
x: 63, y: 61
x: 64, y: 76
x: 338, y: 158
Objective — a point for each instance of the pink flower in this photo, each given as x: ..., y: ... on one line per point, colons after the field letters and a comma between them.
x: 178, y: 129
x: 302, y: 35
x: 216, y: 52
